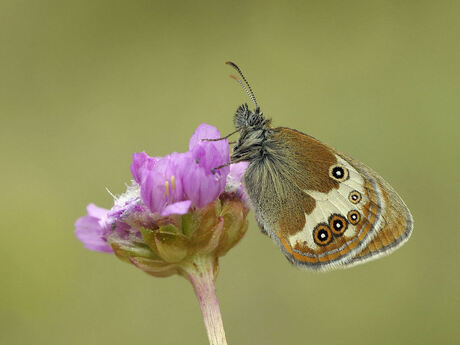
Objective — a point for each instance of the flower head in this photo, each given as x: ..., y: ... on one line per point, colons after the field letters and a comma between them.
x: 177, y: 207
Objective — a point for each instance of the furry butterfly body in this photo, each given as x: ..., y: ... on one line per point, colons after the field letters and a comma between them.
x: 322, y: 208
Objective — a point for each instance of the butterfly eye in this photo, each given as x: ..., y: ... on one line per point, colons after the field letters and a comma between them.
x: 338, y: 173
x: 338, y: 224
x: 355, y: 197
x: 354, y: 217
x: 322, y: 234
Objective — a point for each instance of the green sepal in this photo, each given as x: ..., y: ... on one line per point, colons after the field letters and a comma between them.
x: 205, y: 221
x: 188, y: 225
x: 149, y: 238
x: 214, y: 240
x: 235, y: 226
x: 172, y: 248
x: 125, y: 250
x: 169, y: 228
x: 157, y: 268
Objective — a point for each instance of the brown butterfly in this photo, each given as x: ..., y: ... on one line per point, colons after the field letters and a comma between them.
x: 323, y: 209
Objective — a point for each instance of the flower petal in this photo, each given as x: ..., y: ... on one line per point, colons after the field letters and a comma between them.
x: 209, y: 154
x: 88, y: 231
x: 203, y: 131
x: 96, y: 211
x: 202, y: 188
x: 180, y: 207
x: 142, y: 163
x: 152, y: 191
x: 235, y: 181
x: 237, y: 170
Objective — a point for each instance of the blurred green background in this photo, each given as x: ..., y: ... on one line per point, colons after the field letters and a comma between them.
x: 84, y: 84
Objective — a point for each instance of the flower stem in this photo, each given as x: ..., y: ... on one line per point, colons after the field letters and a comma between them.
x: 201, y: 273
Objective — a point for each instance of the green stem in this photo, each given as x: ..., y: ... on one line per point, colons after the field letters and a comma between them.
x: 201, y: 273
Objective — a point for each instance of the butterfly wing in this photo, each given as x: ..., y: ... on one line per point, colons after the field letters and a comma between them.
x: 397, y: 221
x: 324, y: 209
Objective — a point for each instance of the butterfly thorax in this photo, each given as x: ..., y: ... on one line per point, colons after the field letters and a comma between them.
x: 254, y: 131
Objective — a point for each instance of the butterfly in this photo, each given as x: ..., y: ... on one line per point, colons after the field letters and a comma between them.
x: 323, y: 209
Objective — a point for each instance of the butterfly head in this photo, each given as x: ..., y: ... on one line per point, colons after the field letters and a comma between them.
x: 251, y: 124
x: 246, y: 118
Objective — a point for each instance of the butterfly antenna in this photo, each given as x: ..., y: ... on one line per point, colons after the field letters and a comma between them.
x: 248, y: 89
x: 245, y: 89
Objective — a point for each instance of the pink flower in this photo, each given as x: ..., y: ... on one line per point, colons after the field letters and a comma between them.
x: 174, y: 183
x: 163, y: 187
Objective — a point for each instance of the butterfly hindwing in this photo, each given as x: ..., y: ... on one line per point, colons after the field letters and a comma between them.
x: 347, y: 227
x: 324, y: 209
x: 397, y: 223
